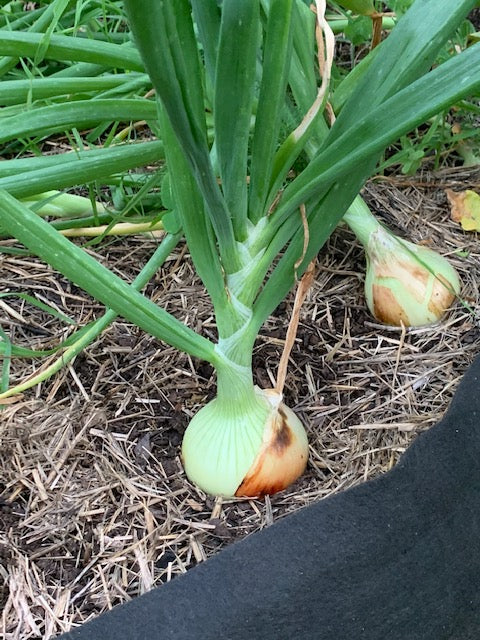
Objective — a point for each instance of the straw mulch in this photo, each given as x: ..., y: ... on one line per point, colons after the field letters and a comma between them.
x: 95, y: 506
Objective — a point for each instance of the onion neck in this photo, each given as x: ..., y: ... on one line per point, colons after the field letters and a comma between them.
x: 235, y: 385
x: 361, y: 221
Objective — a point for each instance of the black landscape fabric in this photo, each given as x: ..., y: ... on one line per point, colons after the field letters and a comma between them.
x: 397, y: 558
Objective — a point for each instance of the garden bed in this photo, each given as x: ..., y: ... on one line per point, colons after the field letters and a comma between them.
x: 95, y: 506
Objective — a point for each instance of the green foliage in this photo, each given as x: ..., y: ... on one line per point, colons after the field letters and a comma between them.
x: 399, y: 6
x: 362, y: 7
x: 232, y: 83
x: 358, y: 29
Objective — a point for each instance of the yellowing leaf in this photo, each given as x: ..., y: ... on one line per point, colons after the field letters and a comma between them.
x: 465, y: 208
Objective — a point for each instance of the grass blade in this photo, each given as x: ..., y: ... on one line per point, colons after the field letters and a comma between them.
x: 82, y: 113
x: 19, y: 44
x: 75, y: 168
x: 40, y: 305
x: 57, y: 7
x: 18, y: 91
x: 6, y: 360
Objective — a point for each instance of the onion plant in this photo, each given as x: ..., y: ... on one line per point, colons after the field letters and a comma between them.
x: 405, y: 284
x: 226, y: 76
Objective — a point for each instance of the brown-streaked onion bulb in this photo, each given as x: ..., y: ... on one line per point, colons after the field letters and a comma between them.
x: 407, y: 283
x: 258, y: 447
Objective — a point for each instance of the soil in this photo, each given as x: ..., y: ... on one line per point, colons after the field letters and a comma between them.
x: 95, y: 508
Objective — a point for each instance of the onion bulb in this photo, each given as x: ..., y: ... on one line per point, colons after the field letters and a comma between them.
x: 249, y: 448
x: 405, y: 283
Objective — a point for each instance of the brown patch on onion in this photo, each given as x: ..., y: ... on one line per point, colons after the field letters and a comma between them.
x: 442, y: 296
x: 401, y: 270
x: 282, y: 438
x: 282, y: 457
x: 386, y: 308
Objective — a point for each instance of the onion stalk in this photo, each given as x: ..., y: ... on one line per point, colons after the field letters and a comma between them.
x: 62, y: 205
x: 246, y: 441
x: 405, y: 283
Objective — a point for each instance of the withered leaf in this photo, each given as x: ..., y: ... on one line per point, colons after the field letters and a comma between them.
x: 465, y: 208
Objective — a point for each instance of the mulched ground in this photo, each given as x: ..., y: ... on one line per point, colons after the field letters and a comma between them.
x: 95, y: 506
